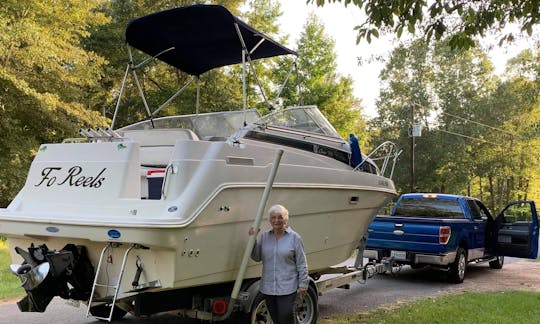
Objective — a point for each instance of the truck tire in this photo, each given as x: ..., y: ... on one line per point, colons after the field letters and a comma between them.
x: 497, y: 263
x: 305, y: 312
x: 456, y: 272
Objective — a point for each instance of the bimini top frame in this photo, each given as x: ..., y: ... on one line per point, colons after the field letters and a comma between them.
x: 196, y: 39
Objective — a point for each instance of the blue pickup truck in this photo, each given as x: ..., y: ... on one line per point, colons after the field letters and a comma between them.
x: 450, y: 231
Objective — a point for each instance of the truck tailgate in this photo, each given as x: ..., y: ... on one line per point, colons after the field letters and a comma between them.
x: 409, y: 234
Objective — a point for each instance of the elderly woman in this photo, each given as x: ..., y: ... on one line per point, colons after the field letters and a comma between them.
x: 284, y: 273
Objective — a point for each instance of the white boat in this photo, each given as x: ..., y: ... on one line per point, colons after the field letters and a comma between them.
x: 163, y: 206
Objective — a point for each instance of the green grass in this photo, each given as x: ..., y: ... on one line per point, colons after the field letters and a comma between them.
x: 9, y: 284
x: 499, y: 307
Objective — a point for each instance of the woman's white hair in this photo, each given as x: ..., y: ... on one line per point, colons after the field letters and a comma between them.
x: 279, y: 209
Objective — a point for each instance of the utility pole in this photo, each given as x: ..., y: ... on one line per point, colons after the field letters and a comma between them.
x: 411, y: 166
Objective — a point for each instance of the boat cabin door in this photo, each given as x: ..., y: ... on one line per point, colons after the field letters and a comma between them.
x: 517, y: 232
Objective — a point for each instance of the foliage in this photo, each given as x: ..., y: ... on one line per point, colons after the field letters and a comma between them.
x: 262, y: 91
x: 459, y: 21
x: 479, y: 131
x: 470, y: 307
x: 320, y: 84
x: 9, y: 284
x: 44, y: 74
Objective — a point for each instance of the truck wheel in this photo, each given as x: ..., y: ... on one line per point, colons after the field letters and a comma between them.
x: 307, y: 308
x: 456, y: 272
x: 497, y: 263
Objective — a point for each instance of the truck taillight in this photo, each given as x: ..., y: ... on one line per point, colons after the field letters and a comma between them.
x: 444, y: 234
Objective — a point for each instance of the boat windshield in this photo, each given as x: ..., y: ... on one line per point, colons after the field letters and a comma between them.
x: 303, y: 118
x: 216, y: 124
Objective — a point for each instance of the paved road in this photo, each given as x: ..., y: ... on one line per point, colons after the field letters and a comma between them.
x: 379, y: 290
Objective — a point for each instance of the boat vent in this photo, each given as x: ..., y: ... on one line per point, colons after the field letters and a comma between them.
x: 96, y: 135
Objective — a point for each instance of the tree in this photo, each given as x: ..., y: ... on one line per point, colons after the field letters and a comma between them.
x: 517, y: 99
x: 263, y: 15
x: 459, y: 21
x: 319, y: 82
x: 438, y: 84
x: 45, y: 77
x: 405, y: 82
x: 480, y: 132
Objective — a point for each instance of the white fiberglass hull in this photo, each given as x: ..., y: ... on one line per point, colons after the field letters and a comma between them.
x: 206, y: 253
x: 197, y: 232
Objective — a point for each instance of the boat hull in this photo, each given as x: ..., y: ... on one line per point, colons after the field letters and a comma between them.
x: 209, y: 249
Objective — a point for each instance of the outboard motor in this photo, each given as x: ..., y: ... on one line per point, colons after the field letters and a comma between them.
x: 46, y: 273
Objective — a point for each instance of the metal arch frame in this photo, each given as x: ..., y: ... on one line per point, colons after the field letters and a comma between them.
x: 246, y: 54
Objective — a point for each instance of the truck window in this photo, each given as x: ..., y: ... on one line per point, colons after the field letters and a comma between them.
x: 517, y: 213
x: 430, y: 207
x: 477, y: 212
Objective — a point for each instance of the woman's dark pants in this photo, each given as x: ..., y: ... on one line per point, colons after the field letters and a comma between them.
x: 281, y: 308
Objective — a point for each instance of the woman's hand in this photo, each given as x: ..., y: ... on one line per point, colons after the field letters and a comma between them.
x: 252, y: 231
x: 301, y: 292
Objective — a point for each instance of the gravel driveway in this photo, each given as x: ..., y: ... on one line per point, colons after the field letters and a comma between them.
x: 389, y: 291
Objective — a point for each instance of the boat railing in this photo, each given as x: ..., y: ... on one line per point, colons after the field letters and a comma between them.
x: 385, y: 152
x: 95, y: 135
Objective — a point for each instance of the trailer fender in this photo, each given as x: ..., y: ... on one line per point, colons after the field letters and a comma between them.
x: 247, y: 295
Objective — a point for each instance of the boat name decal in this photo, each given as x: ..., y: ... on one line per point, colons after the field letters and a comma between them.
x: 73, y: 178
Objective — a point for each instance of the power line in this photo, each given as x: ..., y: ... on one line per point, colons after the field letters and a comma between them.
x: 469, y: 137
x: 478, y: 123
x: 472, y: 121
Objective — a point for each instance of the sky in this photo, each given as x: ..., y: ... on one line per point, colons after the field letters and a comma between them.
x: 339, y: 22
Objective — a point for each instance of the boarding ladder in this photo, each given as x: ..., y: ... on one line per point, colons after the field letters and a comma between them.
x: 108, y: 300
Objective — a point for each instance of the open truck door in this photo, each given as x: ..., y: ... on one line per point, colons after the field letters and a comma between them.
x: 517, y: 230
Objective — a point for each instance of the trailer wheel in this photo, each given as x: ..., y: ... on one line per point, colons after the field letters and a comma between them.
x: 305, y: 312
x: 307, y: 308
x: 456, y: 272
x: 497, y: 263
x: 259, y: 311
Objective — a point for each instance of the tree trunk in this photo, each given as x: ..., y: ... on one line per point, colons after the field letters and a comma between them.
x: 491, y: 193
x: 500, y: 189
x: 526, y: 189
x: 481, y: 189
x: 509, y: 189
x: 519, y: 187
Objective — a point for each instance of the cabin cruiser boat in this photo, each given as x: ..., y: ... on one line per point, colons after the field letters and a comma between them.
x: 163, y: 206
